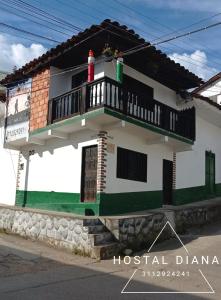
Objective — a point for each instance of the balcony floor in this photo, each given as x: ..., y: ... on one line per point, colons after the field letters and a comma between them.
x: 108, y: 119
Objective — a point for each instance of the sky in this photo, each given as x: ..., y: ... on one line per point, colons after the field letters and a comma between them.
x: 154, y: 20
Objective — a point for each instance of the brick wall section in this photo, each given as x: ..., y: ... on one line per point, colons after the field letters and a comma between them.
x: 39, y: 99
x: 102, y: 161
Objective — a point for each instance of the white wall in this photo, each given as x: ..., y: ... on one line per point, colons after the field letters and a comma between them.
x: 2, y: 109
x: 61, y: 83
x: 8, y: 173
x: 155, y: 156
x: 55, y: 167
x: 213, y: 92
x: 161, y: 92
x: 191, y: 164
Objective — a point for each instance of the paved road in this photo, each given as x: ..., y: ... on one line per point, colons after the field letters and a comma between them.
x: 31, y: 270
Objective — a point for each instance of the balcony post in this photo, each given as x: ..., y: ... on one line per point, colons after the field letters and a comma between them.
x: 49, y: 118
x: 124, y: 96
x: 83, y: 99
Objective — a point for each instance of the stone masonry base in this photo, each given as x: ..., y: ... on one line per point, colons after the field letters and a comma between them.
x: 103, y: 238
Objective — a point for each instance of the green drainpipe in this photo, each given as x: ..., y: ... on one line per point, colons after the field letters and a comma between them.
x: 119, y: 73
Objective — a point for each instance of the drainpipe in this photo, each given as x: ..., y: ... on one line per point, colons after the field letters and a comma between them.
x: 119, y: 69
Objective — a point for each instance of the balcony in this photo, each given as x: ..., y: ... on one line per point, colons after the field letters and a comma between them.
x: 108, y: 93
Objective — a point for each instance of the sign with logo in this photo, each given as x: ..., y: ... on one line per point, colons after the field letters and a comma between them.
x: 18, y: 110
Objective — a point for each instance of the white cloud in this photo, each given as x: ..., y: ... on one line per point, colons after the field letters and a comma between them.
x: 16, y: 54
x: 196, y: 62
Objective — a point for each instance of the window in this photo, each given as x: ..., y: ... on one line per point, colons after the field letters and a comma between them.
x: 131, y: 165
x: 138, y: 87
x: 79, y: 78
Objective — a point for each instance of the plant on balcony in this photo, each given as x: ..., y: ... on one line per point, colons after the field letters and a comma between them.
x: 109, y: 53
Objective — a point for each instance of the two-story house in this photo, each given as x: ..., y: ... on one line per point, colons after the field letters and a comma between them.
x: 98, y: 137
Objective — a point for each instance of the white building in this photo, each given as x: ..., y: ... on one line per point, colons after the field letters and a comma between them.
x: 106, y: 147
x: 9, y: 158
x: 211, y: 89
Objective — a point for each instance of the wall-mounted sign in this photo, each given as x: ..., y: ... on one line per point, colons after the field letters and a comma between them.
x: 18, y: 110
x: 17, y: 131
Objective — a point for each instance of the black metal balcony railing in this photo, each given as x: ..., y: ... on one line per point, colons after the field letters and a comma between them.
x: 106, y: 92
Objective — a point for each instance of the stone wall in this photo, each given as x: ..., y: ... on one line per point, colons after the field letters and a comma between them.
x: 138, y: 232
x: 188, y: 216
x: 107, y: 236
x: 58, y: 230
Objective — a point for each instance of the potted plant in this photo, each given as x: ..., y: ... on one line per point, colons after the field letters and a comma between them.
x: 109, y: 53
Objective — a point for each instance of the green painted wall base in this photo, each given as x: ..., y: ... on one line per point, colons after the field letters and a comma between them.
x: 106, y: 204
x: 110, y: 204
x: 67, y: 202
x: 193, y: 194
x: 119, y: 203
x: 188, y: 195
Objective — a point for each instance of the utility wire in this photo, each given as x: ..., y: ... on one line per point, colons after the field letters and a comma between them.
x: 147, y: 45
x: 29, y: 19
x: 173, y: 31
x: 170, y: 39
x: 169, y: 34
x: 138, y: 43
x: 21, y: 37
x: 196, y: 62
x: 191, y: 25
x: 125, y: 30
x: 141, y: 14
x: 29, y: 33
x: 71, y: 25
x: 163, y: 25
x: 70, y: 68
x: 48, y: 15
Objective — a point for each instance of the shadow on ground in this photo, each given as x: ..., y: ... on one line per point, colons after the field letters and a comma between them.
x: 191, y: 234
x: 25, y: 275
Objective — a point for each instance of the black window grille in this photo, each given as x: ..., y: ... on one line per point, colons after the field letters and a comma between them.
x: 131, y: 165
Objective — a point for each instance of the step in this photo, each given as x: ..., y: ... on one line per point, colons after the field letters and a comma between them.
x: 105, y: 251
x: 96, y: 229
x: 101, y: 238
x: 91, y: 222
